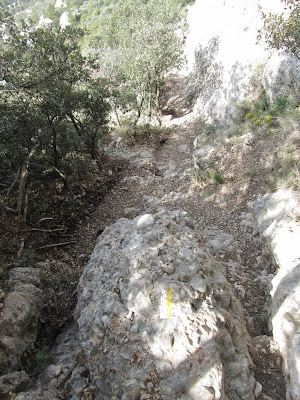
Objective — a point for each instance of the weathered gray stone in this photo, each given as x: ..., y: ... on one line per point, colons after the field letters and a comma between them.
x: 275, y: 221
x: 150, y: 204
x: 14, y: 382
x: 145, y: 222
x: 282, y: 77
x: 223, y: 55
x: 2, y: 294
x: 52, y: 371
x: 201, y: 158
x: 36, y: 395
x: 218, y: 241
x: 123, y: 307
x: 19, y: 317
x: 183, y: 148
x: 64, y: 355
x: 25, y: 275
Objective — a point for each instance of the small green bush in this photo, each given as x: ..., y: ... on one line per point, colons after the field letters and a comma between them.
x: 76, y: 164
x: 142, y: 134
x: 280, y: 105
x: 217, y: 178
x: 259, y: 114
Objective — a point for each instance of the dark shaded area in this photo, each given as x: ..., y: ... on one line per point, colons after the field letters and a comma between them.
x: 54, y: 216
x: 172, y: 100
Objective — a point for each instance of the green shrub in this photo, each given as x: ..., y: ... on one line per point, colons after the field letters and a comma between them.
x: 142, y: 134
x: 280, y: 105
x: 76, y: 164
x: 217, y: 178
x: 259, y: 114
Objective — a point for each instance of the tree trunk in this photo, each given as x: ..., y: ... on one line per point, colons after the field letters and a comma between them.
x: 24, y: 173
x: 157, y: 95
x: 24, y: 178
x: 149, y: 103
x: 55, y: 153
x: 111, y: 103
x: 76, y: 126
x: 11, y: 187
x: 139, y: 108
x: 93, y: 148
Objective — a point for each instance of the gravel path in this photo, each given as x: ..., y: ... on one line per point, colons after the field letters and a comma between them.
x: 166, y: 171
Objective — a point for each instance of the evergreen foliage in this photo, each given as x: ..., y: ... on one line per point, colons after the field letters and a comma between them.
x: 282, y: 32
x: 138, y: 45
x: 50, y: 104
x: 55, y: 102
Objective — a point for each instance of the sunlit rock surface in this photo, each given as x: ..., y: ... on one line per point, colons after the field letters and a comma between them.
x: 282, y: 77
x: 223, y: 55
x: 276, y: 219
x: 157, y: 315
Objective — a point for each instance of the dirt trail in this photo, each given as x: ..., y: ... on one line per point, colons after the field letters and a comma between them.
x: 166, y: 171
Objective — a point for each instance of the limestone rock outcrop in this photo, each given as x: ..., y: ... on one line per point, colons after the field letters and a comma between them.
x: 157, y: 317
x: 19, y: 317
x: 224, y: 58
x: 276, y: 223
x: 282, y: 77
x: 13, y: 383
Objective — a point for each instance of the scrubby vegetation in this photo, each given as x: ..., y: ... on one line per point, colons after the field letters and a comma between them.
x: 282, y: 31
x: 55, y: 102
x: 51, y: 106
x: 278, y: 120
x: 138, y: 44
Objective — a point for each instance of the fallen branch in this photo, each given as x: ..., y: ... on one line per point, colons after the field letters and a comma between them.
x: 13, y: 210
x: 43, y: 230
x: 69, y: 373
x: 49, y: 246
x: 46, y: 219
x: 62, y: 176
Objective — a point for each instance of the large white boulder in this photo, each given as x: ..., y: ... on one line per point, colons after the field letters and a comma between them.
x: 157, y: 315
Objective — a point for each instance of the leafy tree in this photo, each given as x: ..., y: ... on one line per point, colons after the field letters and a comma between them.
x: 138, y: 45
x: 41, y: 72
x: 89, y: 114
x: 283, y: 31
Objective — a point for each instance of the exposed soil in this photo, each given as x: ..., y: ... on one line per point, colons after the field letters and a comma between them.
x: 165, y: 170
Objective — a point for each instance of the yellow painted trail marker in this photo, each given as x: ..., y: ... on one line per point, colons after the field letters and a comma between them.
x: 166, y: 305
x: 169, y: 303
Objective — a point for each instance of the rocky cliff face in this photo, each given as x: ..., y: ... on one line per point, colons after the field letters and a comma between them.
x: 223, y: 58
x: 281, y: 77
x: 276, y: 218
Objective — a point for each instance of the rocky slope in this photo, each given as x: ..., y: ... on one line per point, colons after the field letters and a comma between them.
x: 221, y: 214
x: 180, y: 218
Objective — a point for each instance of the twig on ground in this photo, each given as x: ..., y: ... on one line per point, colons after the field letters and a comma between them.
x: 21, y: 248
x: 69, y: 373
x: 49, y: 246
